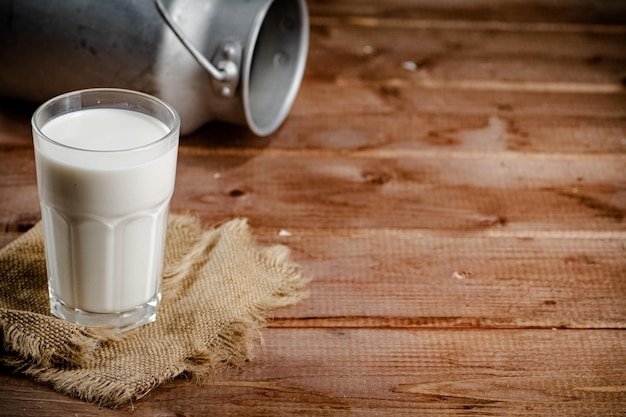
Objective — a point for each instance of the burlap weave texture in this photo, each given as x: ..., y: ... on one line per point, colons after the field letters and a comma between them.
x: 217, y: 288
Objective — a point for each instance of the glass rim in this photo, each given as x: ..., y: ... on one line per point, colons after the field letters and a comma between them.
x: 58, y: 98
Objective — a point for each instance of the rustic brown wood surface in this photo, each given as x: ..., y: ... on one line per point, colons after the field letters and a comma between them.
x: 453, y: 178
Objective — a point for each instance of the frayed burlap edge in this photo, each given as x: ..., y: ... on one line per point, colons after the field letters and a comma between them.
x: 71, y: 350
x: 70, y: 344
x: 232, y: 346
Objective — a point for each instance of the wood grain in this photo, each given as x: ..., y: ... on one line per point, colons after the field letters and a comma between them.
x: 421, y: 192
x: 346, y: 372
x: 376, y: 50
x: 438, y: 280
x: 466, y: 191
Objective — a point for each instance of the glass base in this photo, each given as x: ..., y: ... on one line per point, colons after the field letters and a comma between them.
x: 117, y: 322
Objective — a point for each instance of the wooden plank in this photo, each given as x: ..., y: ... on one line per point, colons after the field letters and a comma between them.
x: 15, y: 127
x: 380, y: 50
x: 463, y: 191
x: 406, y: 190
x: 345, y: 372
x: 19, y: 203
x: 603, y: 12
x: 413, y: 279
x: 395, y: 96
x: 504, y: 130
x: 397, y: 115
x: 8, y: 237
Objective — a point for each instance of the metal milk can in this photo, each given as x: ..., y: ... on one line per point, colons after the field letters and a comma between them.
x: 239, y: 61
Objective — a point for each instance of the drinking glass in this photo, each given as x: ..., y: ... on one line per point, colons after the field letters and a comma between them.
x: 106, y: 167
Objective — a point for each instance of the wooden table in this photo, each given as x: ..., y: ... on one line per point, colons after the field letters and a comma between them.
x: 453, y: 177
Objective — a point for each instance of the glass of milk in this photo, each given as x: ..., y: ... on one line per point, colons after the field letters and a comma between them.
x: 106, y: 166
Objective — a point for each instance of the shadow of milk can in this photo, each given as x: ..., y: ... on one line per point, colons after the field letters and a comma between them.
x: 239, y: 61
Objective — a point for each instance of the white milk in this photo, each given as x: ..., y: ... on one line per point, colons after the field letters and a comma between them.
x: 108, y: 209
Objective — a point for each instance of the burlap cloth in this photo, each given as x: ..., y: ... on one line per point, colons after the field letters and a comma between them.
x: 217, y: 288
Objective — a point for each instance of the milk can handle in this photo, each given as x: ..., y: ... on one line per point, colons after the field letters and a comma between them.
x: 226, y: 71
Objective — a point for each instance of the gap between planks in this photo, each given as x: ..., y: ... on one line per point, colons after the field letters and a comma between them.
x: 393, y: 154
x: 539, y: 87
x: 12, y: 232
x: 425, y: 323
x: 488, y: 233
x: 513, y: 86
x: 460, y: 25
